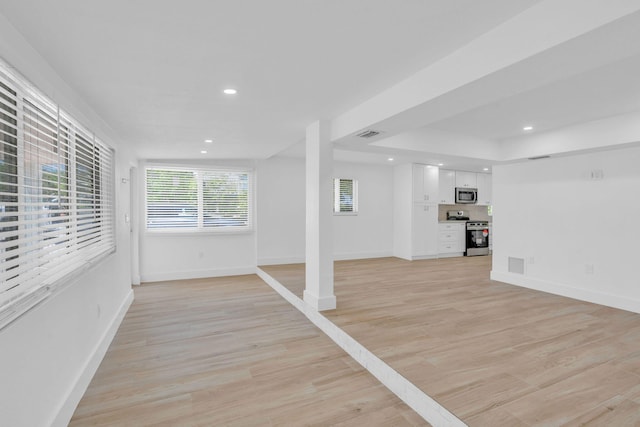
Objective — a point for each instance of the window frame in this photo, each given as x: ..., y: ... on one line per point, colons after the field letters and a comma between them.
x: 52, y: 247
x: 337, y: 195
x: 200, y: 229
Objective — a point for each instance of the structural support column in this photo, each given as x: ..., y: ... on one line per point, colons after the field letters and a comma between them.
x: 319, y: 235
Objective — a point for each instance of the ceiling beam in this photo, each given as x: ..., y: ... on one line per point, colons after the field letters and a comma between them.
x: 498, y: 64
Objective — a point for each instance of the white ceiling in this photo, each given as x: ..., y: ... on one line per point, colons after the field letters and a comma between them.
x: 154, y: 70
x: 599, y: 93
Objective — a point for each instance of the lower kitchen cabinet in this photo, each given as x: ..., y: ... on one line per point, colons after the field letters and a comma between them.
x: 424, y: 233
x: 451, y: 239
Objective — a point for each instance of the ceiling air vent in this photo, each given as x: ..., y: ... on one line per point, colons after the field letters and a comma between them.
x: 369, y: 133
x: 539, y: 157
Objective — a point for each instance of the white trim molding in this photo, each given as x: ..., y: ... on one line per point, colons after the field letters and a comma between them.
x: 79, y: 387
x: 347, y: 256
x: 420, y: 402
x: 609, y: 300
x: 342, y: 256
x: 197, y: 274
x: 281, y: 260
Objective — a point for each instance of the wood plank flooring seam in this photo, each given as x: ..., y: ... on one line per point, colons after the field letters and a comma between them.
x: 415, y: 398
x: 494, y: 354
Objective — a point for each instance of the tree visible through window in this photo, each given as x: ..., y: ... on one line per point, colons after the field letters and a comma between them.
x: 197, y: 200
x: 345, y: 195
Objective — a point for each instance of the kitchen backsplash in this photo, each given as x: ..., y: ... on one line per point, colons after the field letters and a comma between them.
x: 475, y: 212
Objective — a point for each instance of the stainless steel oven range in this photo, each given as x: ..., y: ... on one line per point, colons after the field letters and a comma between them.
x: 477, y: 237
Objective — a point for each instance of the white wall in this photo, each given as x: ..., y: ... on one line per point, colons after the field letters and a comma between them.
x: 189, y: 256
x: 281, y: 212
x: 370, y: 233
x: 280, y: 225
x: 48, y: 355
x: 174, y: 256
x: 562, y: 223
x: 402, y: 215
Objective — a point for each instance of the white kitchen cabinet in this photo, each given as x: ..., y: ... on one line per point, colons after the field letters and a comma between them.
x: 466, y: 179
x: 425, y: 184
x: 446, y: 187
x: 424, y: 231
x: 484, y: 189
x: 415, y: 224
x: 451, y: 239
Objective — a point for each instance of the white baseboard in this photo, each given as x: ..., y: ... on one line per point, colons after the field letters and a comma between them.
x: 419, y: 257
x: 343, y: 256
x: 451, y: 255
x: 319, y: 303
x: 281, y: 260
x: 347, y: 256
x: 197, y: 274
x: 81, y: 383
x: 423, y: 404
x: 609, y: 300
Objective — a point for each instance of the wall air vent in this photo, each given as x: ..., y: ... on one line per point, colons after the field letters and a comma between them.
x: 516, y: 265
x: 539, y: 157
x: 369, y: 133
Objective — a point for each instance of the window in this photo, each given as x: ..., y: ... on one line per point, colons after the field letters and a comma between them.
x: 56, y: 196
x: 345, y: 196
x: 196, y: 200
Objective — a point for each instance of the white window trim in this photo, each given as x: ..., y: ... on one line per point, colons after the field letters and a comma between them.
x: 345, y: 213
x: 19, y: 300
x: 174, y: 232
x: 356, y: 196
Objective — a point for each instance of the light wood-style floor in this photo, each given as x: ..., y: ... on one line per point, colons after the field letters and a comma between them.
x: 230, y: 352
x: 491, y: 353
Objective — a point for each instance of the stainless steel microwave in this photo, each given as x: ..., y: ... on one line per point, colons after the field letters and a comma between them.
x: 466, y: 195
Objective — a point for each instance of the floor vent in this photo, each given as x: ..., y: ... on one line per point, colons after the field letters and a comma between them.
x: 516, y: 265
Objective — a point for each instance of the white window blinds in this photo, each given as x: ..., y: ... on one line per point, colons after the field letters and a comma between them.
x: 56, y: 195
x: 345, y: 195
x: 197, y: 199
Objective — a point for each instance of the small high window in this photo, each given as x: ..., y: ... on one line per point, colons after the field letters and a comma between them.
x: 345, y: 196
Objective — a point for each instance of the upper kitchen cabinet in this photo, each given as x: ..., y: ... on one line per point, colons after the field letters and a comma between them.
x: 425, y: 184
x: 484, y: 189
x: 466, y: 179
x: 446, y: 187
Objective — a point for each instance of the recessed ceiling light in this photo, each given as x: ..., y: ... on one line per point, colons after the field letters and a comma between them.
x: 208, y: 141
x: 440, y: 164
x: 390, y: 159
x: 485, y: 169
x: 230, y: 91
x: 527, y: 128
x: 203, y: 151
